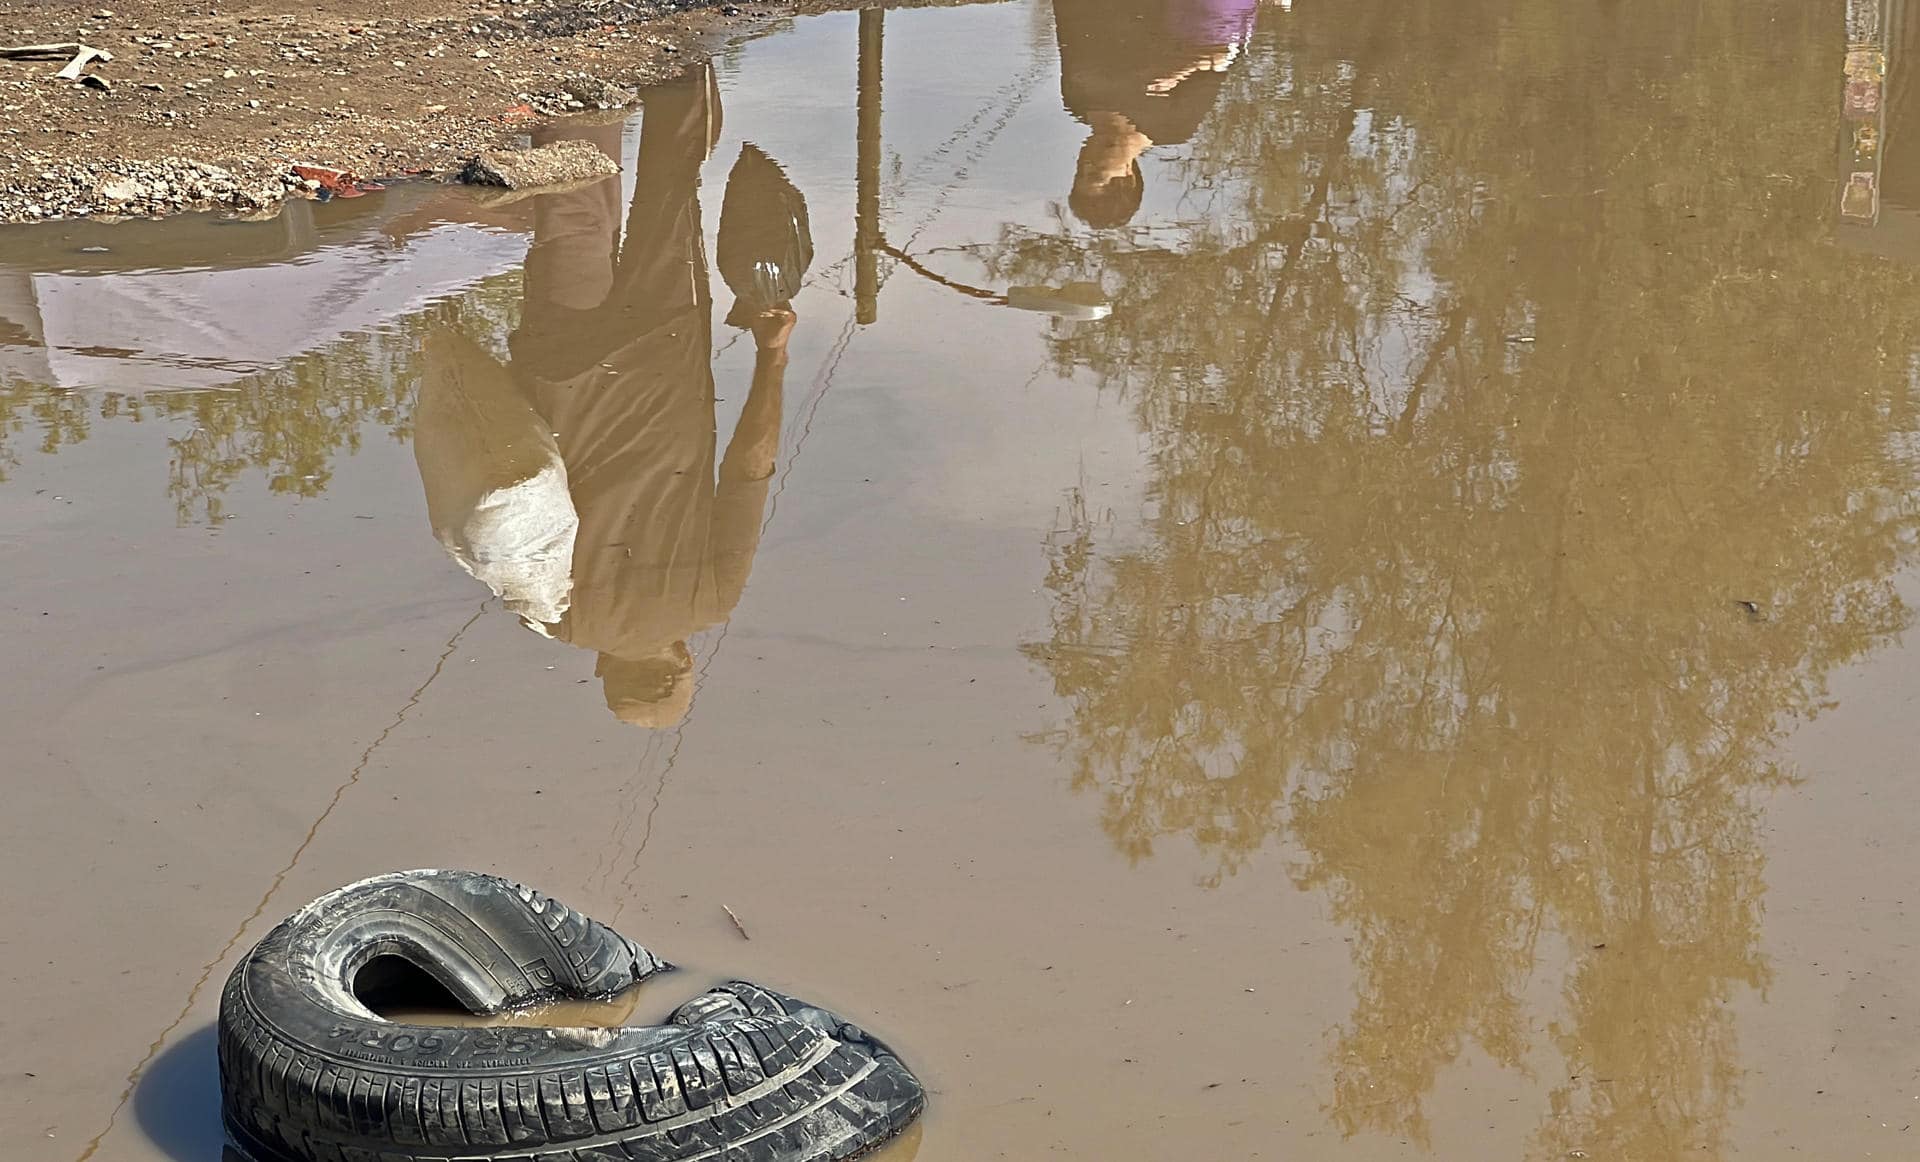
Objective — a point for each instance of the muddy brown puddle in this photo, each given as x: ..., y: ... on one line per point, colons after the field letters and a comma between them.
x: 1326, y: 581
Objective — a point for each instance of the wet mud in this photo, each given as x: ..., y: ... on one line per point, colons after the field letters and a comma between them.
x: 1294, y: 580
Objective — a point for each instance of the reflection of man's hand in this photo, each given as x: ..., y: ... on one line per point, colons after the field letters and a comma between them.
x: 771, y: 328
x: 755, y: 446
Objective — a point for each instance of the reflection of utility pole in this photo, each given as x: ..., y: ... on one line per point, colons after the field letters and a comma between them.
x: 866, y: 228
x: 1081, y: 301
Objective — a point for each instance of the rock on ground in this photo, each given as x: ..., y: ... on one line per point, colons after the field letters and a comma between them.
x: 559, y: 163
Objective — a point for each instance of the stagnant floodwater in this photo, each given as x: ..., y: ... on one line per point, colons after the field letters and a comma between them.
x: 1425, y: 676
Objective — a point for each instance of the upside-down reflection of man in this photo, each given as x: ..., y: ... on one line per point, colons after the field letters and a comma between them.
x: 581, y: 483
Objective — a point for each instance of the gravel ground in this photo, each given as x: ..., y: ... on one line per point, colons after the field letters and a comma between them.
x: 209, y: 107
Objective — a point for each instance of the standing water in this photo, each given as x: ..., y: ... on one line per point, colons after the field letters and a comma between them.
x: 1322, y: 581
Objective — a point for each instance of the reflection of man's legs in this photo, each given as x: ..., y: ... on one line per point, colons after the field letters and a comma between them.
x: 662, y: 270
x: 589, y: 290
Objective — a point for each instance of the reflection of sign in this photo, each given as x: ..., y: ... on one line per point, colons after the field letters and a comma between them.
x: 1866, y: 69
x: 1863, y: 98
x: 1866, y: 75
x: 1863, y: 21
x: 1861, y: 197
x: 1866, y: 62
x: 1863, y: 112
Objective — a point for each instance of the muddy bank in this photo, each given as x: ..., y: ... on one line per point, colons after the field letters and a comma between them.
x: 209, y: 108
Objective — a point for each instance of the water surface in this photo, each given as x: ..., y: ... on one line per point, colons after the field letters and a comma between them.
x: 1325, y: 581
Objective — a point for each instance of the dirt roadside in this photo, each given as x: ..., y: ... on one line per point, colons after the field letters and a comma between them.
x: 209, y: 107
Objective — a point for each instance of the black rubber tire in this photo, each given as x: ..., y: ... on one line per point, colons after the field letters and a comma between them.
x: 739, y: 1073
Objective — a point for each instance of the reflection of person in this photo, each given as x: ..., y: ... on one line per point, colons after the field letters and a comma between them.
x: 1139, y: 73
x: 583, y: 485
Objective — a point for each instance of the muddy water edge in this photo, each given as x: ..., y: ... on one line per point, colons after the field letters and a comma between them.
x: 1297, y: 581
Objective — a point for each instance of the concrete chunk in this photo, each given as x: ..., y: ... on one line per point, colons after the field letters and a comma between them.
x: 561, y: 163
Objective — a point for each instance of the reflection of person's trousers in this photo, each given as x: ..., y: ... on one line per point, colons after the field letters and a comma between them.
x: 590, y: 287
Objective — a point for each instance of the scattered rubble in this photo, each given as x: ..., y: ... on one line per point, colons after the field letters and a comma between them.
x: 185, y: 106
x: 120, y: 189
x: 190, y: 106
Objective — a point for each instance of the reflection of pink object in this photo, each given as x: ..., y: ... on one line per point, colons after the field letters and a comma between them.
x: 1212, y: 22
x: 1863, y: 96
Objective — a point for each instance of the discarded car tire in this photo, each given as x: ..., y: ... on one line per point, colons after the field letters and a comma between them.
x: 308, y: 1072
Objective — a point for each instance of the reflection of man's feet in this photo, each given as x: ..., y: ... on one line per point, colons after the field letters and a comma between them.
x: 772, y: 326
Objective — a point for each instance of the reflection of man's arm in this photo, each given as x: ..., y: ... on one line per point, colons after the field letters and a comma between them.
x: 747, y: 468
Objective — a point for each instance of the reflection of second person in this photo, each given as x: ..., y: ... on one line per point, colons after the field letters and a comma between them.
x: 1139, y: 73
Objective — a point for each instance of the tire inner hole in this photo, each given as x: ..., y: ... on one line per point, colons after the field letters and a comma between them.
x: 393, y: 987
x: 396, y: 989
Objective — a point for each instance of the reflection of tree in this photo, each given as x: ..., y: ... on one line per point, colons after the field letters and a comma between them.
x: 1477, y: 410
x: 58, y: 418
x: 287, y: 424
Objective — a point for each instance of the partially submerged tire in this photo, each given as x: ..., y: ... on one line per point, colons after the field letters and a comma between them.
x: 739, y: 1073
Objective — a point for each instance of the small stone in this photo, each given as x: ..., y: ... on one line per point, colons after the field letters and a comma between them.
x: 481, y: 54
